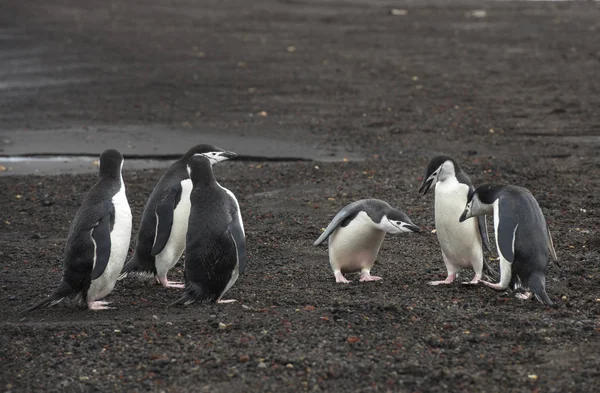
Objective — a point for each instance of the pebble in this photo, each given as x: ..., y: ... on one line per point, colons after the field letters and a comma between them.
x: 262, y: 365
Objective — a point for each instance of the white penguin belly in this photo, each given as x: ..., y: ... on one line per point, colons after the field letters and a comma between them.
x: 168, y: 257
x: 355, y: 246
x: 460, y: 241
x: 119, y: 246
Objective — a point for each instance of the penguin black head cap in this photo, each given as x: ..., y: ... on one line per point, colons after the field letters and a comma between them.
x: 437, y: 161
x: 487, y: 193
x: 199, y: 149
x: 110, y: 162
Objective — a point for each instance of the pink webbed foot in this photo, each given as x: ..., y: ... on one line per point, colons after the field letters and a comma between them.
x: 365, y: 276
x: 99, y: 305
x: 228, y: 301
x: 339, y: 277
x: 474, y: 281
x: 170, y: 284
x: 448, y: 280
x: 497, y: 287
x: 523, y: 296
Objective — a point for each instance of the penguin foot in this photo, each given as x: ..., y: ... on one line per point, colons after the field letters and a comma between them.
x: 226, y: 301
x: 448, y: 280
x: 99, y: 305
x: 170, y: 284
x: 339, y: 277
x: 368, y: 277
x: 474, y: 281
x: 497, y: 287
x: 523, y: 296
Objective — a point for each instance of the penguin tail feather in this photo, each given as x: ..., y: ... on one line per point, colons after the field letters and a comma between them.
x: 194, y: 293
x: 131, y: 266
x: 538, y: 287
x: 64, y: 290
x: 185, y: 300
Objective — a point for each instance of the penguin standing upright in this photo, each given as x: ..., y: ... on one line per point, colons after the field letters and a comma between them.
x: 215, y: 252
x: 461, y: 243
x: 522, y: 236
x: 161, y: 239
x: 98, y: 239
x: 356, y: 233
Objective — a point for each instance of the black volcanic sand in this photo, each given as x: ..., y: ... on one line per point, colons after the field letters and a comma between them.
x: 513, y: 96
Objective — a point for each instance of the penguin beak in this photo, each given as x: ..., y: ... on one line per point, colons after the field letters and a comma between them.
x: 466, y: 214
x: 228, y: 154
x: 425, y: 186
x: 413, y: 228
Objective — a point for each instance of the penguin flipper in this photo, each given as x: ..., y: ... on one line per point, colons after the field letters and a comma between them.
x: 347, y: 212
x: 507, y: 228
x: 551, y: 247
x: 236, y: 229
x: 101, y: 239
x: 164, y: 221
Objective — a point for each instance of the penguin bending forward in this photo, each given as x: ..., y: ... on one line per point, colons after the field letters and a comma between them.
x: 356, y: 233
x: 98, y: 239
x: 161, y: 239
x: 215, y: 251
x: 522, y: 237
x: 461, y: 243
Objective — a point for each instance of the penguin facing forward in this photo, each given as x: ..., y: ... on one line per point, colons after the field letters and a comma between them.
x: 522, y: 237
x: 461, y: 242
x: 356, y: 233
x: 161, y: 239
x: 98, y: 239
x: 215, y: 251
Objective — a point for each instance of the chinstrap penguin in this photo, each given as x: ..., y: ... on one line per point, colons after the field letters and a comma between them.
x: 522, y: 237
x: 161, y: 239
x: 356, y: 233
x: 215, y: 252
x: 98, y: 239
x: 461, y: 242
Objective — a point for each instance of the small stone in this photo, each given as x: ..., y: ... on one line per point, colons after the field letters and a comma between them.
x: 244, y: 358
x: 47, y: 202
x: 262, y: 365
x: 398, y: 12
x: 289, y: 365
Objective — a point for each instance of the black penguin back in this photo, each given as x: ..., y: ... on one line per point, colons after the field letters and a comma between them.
x: 211, y: 254
x: 111, y: 161
x: 531, y: 252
